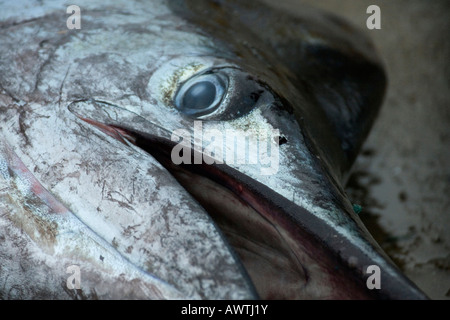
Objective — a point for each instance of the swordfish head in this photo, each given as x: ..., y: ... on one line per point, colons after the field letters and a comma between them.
x: 185, y: 150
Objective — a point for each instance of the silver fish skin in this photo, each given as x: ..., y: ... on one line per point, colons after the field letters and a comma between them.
x: 89, y: 115
x: 133, y: 228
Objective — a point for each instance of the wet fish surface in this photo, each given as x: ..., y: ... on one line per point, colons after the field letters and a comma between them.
x: 87, y: 176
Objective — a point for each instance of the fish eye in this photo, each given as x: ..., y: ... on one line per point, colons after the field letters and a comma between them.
x: 202, y: 94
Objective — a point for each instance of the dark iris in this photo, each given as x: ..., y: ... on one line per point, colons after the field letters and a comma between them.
x: 222, y: 93
x: 200, y: 96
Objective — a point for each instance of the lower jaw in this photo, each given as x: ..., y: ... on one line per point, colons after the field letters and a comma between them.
x: 279, y: 267
x: 287, y: 251
x: 283, y: 260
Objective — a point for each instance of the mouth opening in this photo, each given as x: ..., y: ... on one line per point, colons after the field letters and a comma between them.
x: 257, y: 241
x: 288, y: 252
x: 283, y: 260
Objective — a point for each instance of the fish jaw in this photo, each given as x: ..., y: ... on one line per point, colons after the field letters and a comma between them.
x: 312, y: 234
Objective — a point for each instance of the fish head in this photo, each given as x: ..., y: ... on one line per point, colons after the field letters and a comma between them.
x: 203, y: 145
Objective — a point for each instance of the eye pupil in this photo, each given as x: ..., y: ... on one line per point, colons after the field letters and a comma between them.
x: 200, y: 96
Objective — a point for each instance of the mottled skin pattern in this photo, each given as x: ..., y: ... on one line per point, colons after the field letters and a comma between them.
x: 124, y: 196
x: 134, y: 229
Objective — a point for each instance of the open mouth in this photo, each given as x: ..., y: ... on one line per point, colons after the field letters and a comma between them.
x: 247, y: 220
x: 287, y: 251
x: 286, y: 257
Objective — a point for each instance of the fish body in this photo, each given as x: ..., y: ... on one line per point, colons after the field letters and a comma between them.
x: 116, y: 156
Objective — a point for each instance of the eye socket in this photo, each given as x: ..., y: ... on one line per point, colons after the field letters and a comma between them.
x: 221, y: 93
x: 202, y: 94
